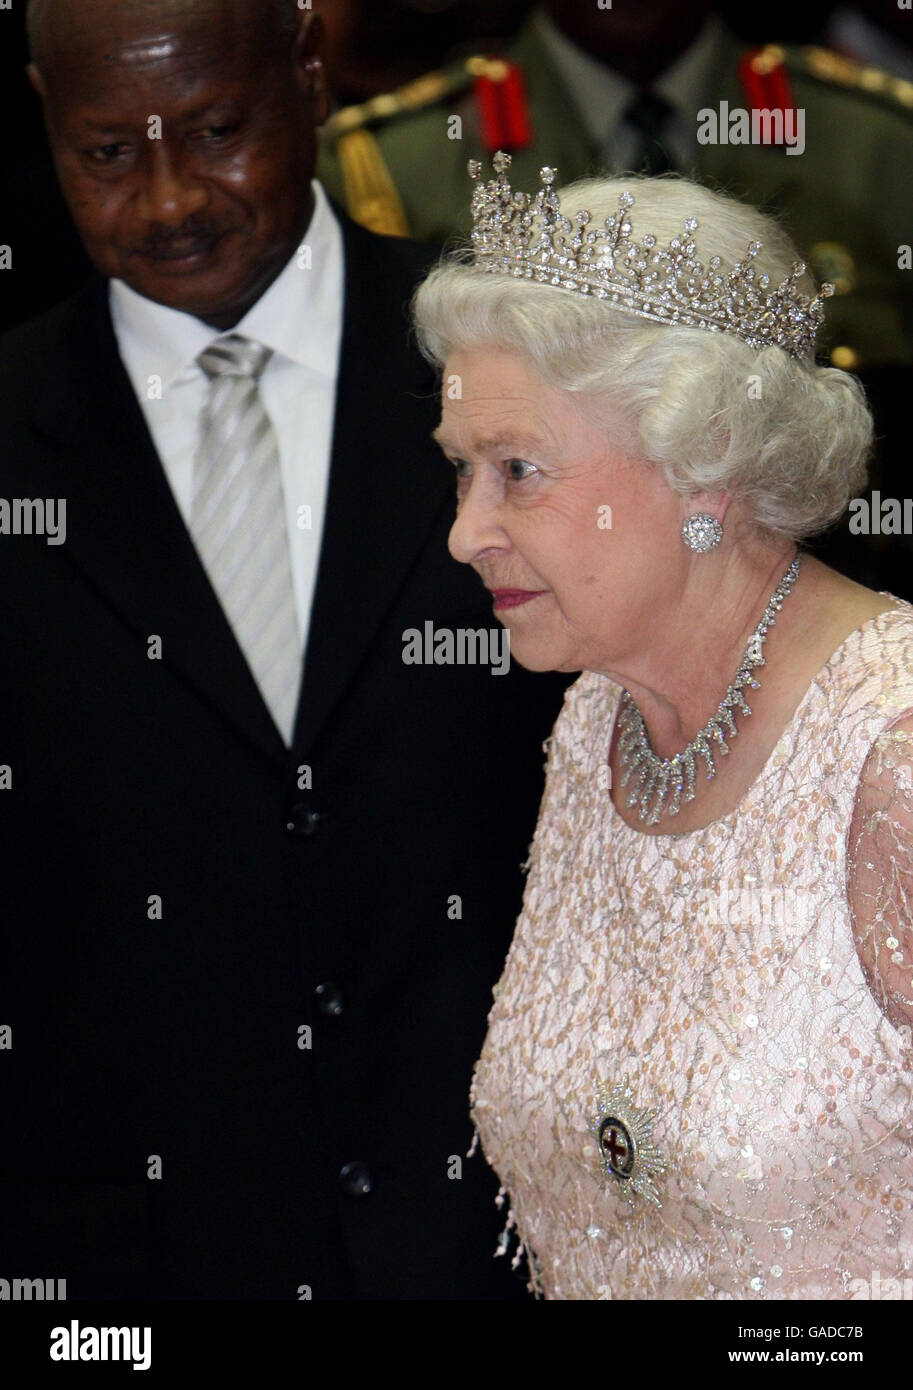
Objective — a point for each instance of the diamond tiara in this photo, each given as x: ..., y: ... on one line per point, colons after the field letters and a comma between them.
x: 516, y: 234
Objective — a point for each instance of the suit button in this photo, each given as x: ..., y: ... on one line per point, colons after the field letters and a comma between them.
x: 355, y: 1180
x: 302, y: 821
x: 329, y: 999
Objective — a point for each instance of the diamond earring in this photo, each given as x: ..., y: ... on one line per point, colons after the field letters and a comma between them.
x: 702, y: 532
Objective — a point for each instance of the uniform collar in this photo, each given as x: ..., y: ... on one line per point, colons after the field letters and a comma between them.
x: 601, y: 95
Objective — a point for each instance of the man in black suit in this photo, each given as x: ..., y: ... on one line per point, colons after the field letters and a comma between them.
x: 247, y: 946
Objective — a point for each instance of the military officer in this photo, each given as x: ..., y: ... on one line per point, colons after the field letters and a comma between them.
x: 398, y: 160
x: 583, y: 89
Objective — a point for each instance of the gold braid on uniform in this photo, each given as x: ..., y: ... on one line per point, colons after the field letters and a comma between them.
x: 371, y: 195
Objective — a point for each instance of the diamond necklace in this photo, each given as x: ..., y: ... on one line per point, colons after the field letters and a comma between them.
x: 655, y: 776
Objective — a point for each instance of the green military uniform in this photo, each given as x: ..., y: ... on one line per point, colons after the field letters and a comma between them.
x: 847, y: 200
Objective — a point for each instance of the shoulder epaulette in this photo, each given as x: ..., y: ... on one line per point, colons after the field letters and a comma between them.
x: 828, y: 66
x: 371, y: 195
x: 424, y: 91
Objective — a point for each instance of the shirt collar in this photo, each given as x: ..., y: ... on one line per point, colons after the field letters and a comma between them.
x: 598, y: 92
x: 694, y: 77
x: 293, y: 316
x: 601, y: 94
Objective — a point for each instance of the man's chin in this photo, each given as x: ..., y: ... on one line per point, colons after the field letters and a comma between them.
x: 201, y: 284
x: 187, y: 297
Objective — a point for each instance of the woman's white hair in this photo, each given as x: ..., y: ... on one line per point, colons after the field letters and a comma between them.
x: 787, y: 437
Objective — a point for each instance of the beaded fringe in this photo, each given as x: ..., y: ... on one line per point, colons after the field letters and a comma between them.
x: 533, y: 1284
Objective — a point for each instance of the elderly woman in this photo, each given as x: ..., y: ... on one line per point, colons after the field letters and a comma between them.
x: 698, y: 1078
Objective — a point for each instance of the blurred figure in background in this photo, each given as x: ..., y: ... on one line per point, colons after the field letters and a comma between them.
x: 660, y: 86
x: 874, y: 33
x: 582, y: 88
x: 374, y: 48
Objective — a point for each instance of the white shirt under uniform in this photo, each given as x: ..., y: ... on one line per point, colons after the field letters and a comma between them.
x: 300, y: 318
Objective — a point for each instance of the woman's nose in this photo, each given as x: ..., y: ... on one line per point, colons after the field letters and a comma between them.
x: 476, y: 527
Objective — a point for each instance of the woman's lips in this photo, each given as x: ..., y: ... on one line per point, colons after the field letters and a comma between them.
x: 513, y: 598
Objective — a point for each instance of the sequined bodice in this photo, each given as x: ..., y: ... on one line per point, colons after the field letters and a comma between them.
x: 718, y: 972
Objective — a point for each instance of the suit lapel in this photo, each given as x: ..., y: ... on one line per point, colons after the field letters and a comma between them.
x: 125, y: 532
x: 387, y: 484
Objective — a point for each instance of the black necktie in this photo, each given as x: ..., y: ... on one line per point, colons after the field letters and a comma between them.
x: 648, y: 115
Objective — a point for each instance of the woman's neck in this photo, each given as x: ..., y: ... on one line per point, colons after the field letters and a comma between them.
x: 695, y: 648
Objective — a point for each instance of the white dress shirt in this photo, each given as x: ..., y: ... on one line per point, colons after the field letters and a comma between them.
x: 602, y: 95
x: 300, y: 318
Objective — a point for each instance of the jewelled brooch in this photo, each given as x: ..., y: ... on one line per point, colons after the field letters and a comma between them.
x: 624, y: 1132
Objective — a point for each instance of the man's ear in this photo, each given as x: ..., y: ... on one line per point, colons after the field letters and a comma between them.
x: 308, y: 57
x: 37, y: 81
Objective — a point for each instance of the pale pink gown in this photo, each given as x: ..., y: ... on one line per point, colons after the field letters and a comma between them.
x: 751, y: 980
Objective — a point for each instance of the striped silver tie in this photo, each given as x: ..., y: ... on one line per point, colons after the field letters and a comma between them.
x: 238, y: 521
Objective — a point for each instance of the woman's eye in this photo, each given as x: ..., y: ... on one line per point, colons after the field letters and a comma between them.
x: 518, y: 469
x: 460, y: 468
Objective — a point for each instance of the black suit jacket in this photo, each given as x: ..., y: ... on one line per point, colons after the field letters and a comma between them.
x: 168, y: 1125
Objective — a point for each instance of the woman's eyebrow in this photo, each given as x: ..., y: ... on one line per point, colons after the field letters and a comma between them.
x: 490, y: 443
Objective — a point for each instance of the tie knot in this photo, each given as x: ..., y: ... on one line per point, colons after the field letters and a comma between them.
x: 648, y: 113
x: 234, y: 356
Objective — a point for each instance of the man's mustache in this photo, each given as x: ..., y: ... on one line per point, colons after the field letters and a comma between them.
x: 185, y: 241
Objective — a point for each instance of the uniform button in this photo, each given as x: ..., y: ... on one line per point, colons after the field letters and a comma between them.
x: 302, y: 821
x: 355, y: 1180
x: 329, y: 999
